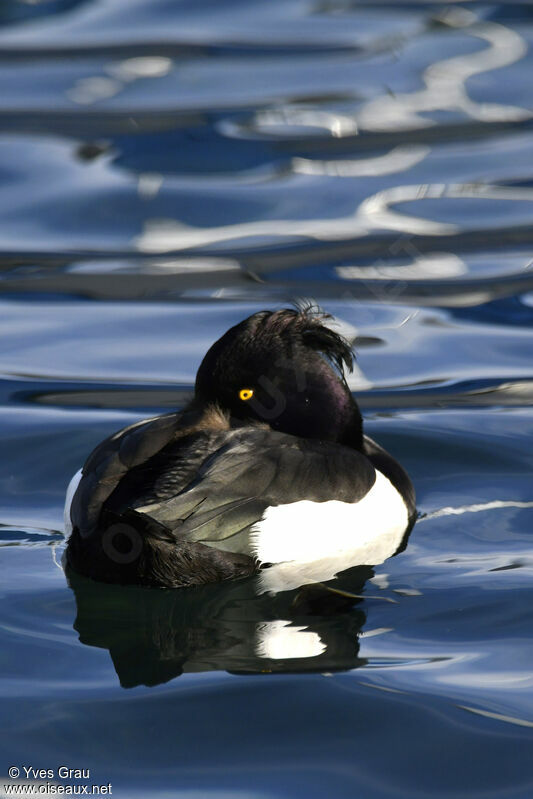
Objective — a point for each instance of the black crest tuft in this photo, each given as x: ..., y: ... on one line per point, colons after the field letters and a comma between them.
x: 307, y: 324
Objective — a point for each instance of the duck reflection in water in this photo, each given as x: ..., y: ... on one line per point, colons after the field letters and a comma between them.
x: 154, y: 636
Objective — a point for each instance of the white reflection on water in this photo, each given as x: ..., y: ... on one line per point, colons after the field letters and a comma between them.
x: 399, y: 159
x: 149, y: 184
x: 476, y: 508
x: 297, y: 121
x: 445, y: 89
x: 376, y: 209
x: 87, y: 91
x: 497, y: 716
x: 182, y: 266
x: 431, y: 266
x: 140, y: 67
x: 165, y: 235
x: 375, y: 212
x: 445, y: 82
x: 378, y: 212
x: 281, y: 640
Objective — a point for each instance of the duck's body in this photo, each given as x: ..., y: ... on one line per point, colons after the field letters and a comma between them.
x: 240, y: 480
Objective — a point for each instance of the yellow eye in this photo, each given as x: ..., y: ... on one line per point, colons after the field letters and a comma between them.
x: 246, y: 394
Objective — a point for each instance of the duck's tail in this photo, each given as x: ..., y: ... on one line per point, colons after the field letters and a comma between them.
x: 133, y: 548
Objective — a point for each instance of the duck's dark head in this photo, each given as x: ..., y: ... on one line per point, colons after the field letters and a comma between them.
x: 284, y: 368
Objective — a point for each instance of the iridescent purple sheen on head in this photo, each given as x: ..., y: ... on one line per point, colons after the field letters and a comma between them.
x: 294, y: 365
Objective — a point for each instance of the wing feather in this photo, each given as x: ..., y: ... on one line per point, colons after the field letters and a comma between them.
x: 254, y: 470
x: 211, y: 486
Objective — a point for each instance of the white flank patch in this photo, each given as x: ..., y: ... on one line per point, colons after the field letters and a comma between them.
x: 71, y: 490
x: 312, y: 541
x: 278, y: 640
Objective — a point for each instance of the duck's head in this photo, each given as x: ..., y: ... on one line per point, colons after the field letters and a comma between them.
x: 284, y: 368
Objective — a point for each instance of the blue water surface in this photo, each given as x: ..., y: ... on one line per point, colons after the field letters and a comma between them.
x: 168, y: 167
